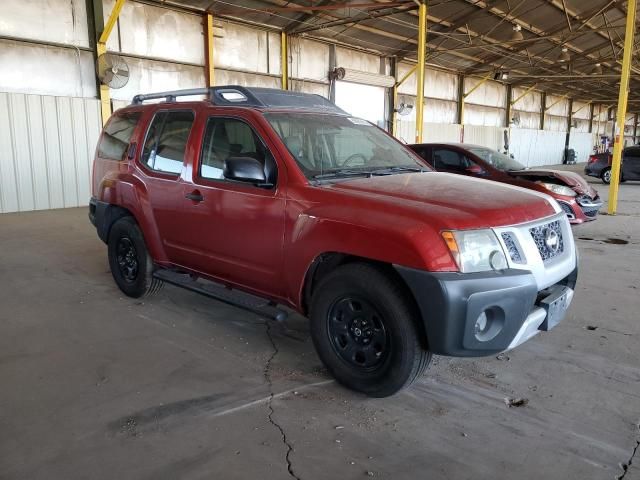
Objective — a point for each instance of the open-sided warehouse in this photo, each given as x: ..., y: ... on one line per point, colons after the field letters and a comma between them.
x: 334, y: 304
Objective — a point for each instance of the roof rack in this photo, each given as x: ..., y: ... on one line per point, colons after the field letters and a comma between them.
x: 257, y: 97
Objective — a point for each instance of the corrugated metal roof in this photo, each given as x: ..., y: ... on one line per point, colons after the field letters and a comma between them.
x: 466, y: 36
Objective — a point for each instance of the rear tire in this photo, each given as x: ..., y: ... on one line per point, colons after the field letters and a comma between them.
x: 365, y: 331
x: 130, y: 262
x: 605, y: 176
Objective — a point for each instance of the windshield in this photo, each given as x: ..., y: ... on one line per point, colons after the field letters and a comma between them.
x: 497, y: 159
x: 326, y: 146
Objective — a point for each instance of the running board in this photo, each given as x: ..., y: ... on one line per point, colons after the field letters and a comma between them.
x: 246, y: 301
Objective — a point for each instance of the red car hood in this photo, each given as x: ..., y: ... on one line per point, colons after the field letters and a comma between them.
x: 570, y: 179
x: 459, y: 202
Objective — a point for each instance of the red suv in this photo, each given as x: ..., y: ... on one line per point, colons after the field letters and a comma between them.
x: 262, y: 197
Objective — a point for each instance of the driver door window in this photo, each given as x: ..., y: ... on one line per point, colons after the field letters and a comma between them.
x: 229, y: 137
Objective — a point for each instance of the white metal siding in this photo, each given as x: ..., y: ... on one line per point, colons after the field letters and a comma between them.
x: 582, y: 143
x: 534, y: 148
x: 46, y: 149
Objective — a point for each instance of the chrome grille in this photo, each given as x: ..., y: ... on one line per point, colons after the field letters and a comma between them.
x: 512, y: 247
x: 548, y: 239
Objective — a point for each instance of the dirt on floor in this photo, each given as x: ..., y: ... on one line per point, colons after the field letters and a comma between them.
x: 97, y: 385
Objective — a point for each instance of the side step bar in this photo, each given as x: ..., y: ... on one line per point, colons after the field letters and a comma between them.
x: 246, y: 301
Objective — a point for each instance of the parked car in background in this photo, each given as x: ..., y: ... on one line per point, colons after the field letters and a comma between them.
x: 259, y: 197
x: 599, y: 165
x: 579, y: 200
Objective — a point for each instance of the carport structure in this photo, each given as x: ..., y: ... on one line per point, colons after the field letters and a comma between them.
x: 532, y: 77
x: 570, y: 49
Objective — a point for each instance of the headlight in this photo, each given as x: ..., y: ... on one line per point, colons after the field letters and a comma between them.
x: 475, y: 250
x: 559, y: 189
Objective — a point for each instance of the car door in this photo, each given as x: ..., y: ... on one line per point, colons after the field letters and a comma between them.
x: 161, y: 162
x: 233, y: 230
x: 631, y: 163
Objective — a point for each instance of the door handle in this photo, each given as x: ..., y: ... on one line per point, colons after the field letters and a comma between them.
x: 196, y: 196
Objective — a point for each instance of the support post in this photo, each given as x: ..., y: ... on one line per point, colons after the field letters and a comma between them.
x: 635, y: 129
x: 391, y: 97
x: 591, y: 112
x: 208, y: 48
x: 507, y: 120
x: 622, y: 107
x: 422, y: 54
x: 101, y: 48
x: 284, y: 60
x: 543, y: 109
x: 460, y: 112
x: 411, y: 71
x: 569, y: 122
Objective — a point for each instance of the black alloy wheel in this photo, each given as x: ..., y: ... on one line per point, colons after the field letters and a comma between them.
x: 357, y: 333
x: 126, y: 257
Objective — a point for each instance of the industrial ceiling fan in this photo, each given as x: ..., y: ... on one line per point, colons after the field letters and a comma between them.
x: 112, y: 70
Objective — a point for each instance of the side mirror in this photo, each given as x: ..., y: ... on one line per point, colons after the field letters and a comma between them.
x: 245, y: 169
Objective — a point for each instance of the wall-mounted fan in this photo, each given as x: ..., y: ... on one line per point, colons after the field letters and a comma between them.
x: 112, y: 70
x: 515, y: 118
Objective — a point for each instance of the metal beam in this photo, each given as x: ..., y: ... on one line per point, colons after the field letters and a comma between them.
x: 622, y: 107
x: 209, y: 72
x: 523, y: 94
x: 101, y: 49
x: 349, y: 21
x: 548, y: 107
x: 422, y: 53
x: 284, y: 60
x: 466, y: 94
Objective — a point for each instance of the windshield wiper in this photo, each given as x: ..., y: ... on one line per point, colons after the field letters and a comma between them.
x: 343, y: 173
x: 392, y: 170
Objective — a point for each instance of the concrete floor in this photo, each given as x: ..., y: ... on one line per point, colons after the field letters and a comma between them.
x: 96, y: 385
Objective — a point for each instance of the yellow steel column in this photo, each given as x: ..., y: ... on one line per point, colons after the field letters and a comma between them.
x: 394, y: 126
x: 284, y: 60
x: 208, y: 44
x: 622, y: 107
x: 422, y: 54
x: 101, y: 48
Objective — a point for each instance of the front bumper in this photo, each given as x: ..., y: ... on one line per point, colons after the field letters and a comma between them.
x: 451, y: 304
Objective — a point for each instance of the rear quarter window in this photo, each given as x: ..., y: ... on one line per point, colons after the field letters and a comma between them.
x: 117, y: 135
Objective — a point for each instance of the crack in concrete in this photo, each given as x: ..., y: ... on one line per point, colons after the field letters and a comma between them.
x: 267, y: 376
x: 625, y: 466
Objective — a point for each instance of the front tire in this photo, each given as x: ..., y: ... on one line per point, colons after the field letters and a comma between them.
x: 129, y: 259
x: 364, y: 329
x: 605, y: 176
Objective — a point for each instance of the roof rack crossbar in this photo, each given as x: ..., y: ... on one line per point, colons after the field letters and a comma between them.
x: 256, y: 97
x: 170, y: 96
x: 222, y: 95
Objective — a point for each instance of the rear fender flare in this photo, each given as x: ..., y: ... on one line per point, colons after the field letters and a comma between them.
x: 126, y: 194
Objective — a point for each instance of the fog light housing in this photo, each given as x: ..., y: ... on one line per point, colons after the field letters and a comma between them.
x: 489, y: 324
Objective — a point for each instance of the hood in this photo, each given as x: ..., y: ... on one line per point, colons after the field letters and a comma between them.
x: 449, y: 200
x: 570, y: 179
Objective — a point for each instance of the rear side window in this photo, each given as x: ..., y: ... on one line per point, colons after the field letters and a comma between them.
x: 166, y: 141
x: 117, y: 135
